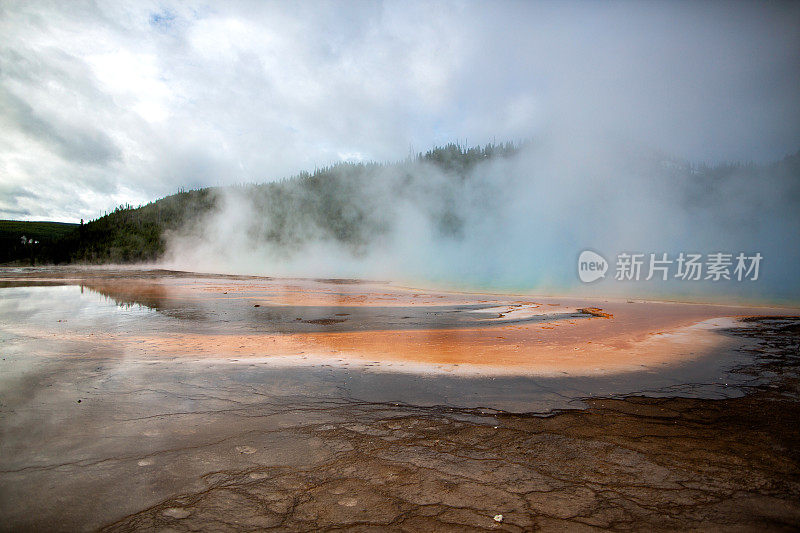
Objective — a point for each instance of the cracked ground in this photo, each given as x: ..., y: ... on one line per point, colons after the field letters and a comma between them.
x: 631, y: 463
x: 622, y: 464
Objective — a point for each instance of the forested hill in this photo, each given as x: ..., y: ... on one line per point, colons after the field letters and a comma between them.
x: 20, y: 239
x: 322, y: 200
x: 345, y: 204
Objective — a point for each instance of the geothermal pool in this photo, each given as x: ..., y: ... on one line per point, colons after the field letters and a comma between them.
x: 141, y: 399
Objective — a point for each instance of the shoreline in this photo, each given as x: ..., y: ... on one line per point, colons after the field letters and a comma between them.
x: 165, y: 270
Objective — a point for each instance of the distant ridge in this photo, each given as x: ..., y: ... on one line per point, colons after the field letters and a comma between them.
x: 335, y: 202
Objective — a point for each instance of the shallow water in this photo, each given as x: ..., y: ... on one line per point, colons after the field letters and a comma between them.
x: 57, y: 326
x: 121, y: 389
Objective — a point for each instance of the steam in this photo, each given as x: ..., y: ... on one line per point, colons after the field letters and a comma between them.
x: 509, y: 223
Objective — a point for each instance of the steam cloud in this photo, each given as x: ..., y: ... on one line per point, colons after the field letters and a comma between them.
x: 515, y: 223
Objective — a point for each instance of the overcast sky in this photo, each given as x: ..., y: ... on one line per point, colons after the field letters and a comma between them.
x: 122, y: 102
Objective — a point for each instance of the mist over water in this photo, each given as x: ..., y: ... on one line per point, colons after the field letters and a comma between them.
x: 513, y: 223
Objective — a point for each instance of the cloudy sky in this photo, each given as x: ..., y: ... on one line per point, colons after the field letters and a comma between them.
x: 104, y: 103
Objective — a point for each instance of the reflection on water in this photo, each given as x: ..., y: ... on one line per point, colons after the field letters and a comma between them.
x: 48, y: 323
x: 313, y: 318
x: 74, y: 305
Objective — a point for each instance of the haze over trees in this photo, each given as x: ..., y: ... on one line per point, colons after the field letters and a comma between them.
x: 343, y: 204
